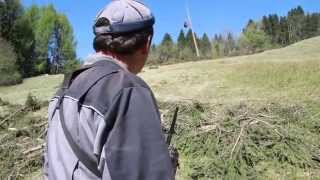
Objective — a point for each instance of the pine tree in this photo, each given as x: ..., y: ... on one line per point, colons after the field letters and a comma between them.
x: 10, y: 11
x: 312, y: 22
x: 296, y: 19
x: 189, y: 41
x: 16, y: 28
x: 9, y: 74
x: 181, y: 40
x: 308, y: 28
x: 205, y: 46
x: 251, y: 24
x: 167, y: 49
x: 216, y: 47
x: 230, y: 44
x: 284, y: 33
x: 274, y: 24
x: 24, y: 43
x: 266, y: 25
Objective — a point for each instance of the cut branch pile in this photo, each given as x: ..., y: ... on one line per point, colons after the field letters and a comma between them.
x: 223, y: 142
x: 21, y: 139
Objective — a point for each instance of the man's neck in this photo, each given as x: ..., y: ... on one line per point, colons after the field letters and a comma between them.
x: 117, y: 60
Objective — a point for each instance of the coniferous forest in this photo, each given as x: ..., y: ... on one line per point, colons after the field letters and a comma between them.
x: 269, y: 32
x: 36, y: 40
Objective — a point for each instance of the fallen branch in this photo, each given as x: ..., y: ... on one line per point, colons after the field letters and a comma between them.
x: 271, y: 126
x: 3, y: 137
x: 42, y: 134
x: 41, y: 124
x: 12, y: 115
x: 205, y: 129
x: 237, y: 141
x: 316, y: 158
x: 37, y: 148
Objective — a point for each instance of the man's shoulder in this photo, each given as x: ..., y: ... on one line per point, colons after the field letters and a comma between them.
x: 100, y: 85
x: 130, y: 80
x: 109, y: 87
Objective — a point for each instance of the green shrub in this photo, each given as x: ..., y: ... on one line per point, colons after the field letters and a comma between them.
x: 33, y: 103
x: 9, y: 74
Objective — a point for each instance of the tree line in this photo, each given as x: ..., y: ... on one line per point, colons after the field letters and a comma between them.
x: 271, y: 31
x: 40, y: 41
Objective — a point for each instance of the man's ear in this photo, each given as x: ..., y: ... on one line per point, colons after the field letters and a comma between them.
x: 146, y: 47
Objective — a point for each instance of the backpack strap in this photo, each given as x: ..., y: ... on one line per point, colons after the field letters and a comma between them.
x: 90, y: 162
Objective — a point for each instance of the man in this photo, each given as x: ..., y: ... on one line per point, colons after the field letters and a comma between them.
x: 104, y: 122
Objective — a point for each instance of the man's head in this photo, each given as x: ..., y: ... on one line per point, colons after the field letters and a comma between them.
x: 124, y: 29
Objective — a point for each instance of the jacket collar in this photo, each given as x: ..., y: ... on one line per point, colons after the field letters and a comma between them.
x: 93, y: 58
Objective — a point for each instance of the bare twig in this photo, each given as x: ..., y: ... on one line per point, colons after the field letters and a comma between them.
x: 37, y: 148
x: 316, y: 158
x: 3, y: 137
x: 12, y: 115
x: 42, y: 134
x: 271, y: 126
x: 208, y: 128
x: 41, y: 124
x: 237, y: 141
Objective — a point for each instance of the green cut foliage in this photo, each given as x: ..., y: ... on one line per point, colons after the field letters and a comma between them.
x: 244, y: 142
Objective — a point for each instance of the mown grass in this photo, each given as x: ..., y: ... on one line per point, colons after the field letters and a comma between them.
x: 43, y: 87
x: 288, y: 74
x: 290, y: 81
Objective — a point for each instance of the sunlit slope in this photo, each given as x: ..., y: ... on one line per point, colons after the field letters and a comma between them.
x: 43, y: 87
x: 291, y: 73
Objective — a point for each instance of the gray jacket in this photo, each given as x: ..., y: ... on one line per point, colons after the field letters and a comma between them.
x: 112, y: 116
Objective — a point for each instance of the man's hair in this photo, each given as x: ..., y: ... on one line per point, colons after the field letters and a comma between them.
x: 124, y: 44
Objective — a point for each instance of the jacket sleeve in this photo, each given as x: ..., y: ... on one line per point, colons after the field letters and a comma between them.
x: 135, y: 148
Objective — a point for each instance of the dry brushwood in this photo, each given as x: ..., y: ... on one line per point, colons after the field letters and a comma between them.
x: 21, y: 147
x: 11, y: 116
x: 239, y: 141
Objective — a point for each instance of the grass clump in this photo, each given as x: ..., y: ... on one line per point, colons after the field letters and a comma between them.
x: 32, y: 103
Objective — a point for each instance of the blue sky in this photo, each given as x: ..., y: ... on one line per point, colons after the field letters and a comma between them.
x: 211, y: 16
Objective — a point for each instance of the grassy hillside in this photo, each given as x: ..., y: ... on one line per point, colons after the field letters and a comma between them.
x: 255, y: 77
x: 290, y: 74
x: 242, y: 117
